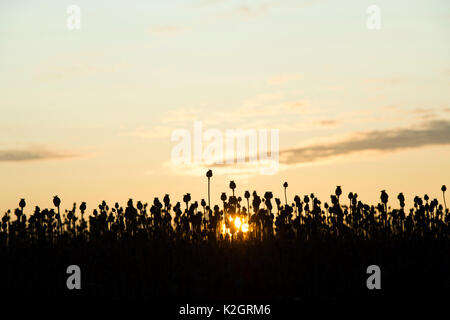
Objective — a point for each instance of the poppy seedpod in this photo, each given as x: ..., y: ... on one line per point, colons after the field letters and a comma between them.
x: 443, y: 189
x: 338, y: 191
x: 232, y: 185
x: 56, y: 201
x: 247, y: 194
x: 334, y: 200
x: 285, y: 184
x: 22, y: 203
x: 384, y: 196
x: 350, y: 195
x: 130, y: 202
x: 203, y: 202
x: 18, y: 213
x: 209, y: 174
x: 223, y: 197
x: 166, y: 200
x: 83, y: 206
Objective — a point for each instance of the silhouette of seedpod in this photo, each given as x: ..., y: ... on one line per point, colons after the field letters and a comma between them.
x: 268, y: 195
x: 203, y: 203
x: 56, y: 201
x: 285, y: 185
x: 306, y: 199
x: 247, y: 196
x: 130, y: 202
x: 232, y: 186
x: 209, y: 175
x: 384, y: 196
x: 338, y: 191
x: 83, y: 206
x: 277, y: 201
x: 443, y: 189
x: 334, y: 199
x: 426, y: 197
x: 18, y: 213
x: 350, y: 195
x: 22, y: 203
x: 223, y: 197
x: 166, y: 200
x: 139, y: 205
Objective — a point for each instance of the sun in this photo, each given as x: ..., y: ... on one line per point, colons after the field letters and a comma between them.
x: 240, y: 225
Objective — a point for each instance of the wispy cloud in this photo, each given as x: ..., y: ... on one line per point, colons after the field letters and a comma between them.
x: 257, y: 113
x: 327, y: 122
x: 32, y: 154
x: 430, y: 133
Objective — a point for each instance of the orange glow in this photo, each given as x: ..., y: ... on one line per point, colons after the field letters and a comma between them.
x: 238, y: 223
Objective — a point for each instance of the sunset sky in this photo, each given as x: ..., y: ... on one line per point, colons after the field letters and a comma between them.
x: 88, y: 114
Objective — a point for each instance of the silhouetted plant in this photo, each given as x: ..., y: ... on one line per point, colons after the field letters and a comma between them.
x: 443, y: 189
x: 285, y: 185
x: 209, y: 174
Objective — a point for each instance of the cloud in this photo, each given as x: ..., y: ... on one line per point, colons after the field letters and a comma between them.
x: 256, y: 112
x: 31, y: 154
x: 431, y: 133
x: 327, y: 122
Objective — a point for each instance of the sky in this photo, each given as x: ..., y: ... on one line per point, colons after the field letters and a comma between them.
x: 88, y: 114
